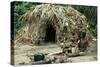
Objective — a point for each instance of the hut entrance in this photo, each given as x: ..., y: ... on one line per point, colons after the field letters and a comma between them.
x: 50, y: 35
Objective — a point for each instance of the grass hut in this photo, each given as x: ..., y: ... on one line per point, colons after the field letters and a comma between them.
x: 51, y: 23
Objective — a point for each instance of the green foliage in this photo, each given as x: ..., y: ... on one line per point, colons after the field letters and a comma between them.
x: 19, y: 9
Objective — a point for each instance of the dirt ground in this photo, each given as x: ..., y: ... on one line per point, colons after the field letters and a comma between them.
x: 22, y: 52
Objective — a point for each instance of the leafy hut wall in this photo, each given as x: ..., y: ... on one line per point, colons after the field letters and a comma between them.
x: 54, y: 23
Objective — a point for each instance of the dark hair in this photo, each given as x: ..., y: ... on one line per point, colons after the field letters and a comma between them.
x: 83, y: 34
x: 73, y: 33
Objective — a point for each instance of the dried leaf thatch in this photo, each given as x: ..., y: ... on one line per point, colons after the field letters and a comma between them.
x: 63, y: 19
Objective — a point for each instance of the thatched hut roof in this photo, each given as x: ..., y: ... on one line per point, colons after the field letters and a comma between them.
x: 60, y: 17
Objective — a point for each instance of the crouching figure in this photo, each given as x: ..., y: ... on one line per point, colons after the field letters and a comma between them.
x: 83, y: 43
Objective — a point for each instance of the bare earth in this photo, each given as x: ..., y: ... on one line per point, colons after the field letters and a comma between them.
x: 22, y: 52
